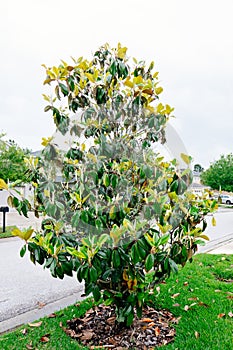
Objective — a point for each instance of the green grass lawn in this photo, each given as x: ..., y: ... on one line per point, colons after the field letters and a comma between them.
x: 7, y: 233
x: 201, y: 295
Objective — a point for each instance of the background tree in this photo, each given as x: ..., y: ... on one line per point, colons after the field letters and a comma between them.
x: 220, y: 174
x: 120, y: 216
x: 12, y: 164
x: 198, y: 168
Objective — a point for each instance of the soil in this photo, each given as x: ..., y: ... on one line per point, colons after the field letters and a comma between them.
x: 98, y: 329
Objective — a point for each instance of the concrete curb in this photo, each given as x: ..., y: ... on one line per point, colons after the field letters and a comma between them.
x: 35, y: 314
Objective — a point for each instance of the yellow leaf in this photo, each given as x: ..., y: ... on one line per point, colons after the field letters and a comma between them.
x: 121, y: 52
x: 138, y: 80
x: 158, y: 90
x: 3, y: 185
x: 128, y: 83
x: 83, y: 65
x: 46, y: 193
x: 160, y: 107
x: 168, y: 109
x: 46, y: 98
x: 85, y: 198
x: 112, y: 213
x: 125, y: 275
x: 26, y: 234
x: 90, y: 77
x: 55, y: 70
x: 204, y: 237
x: 45, y: 141
x: 17, y: 232
x: 155, y: 75
x: 187, y: 159
x: 213, y: 221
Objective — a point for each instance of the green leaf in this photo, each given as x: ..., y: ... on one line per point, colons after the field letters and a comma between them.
x: 114, y: 180
x: 93, y: 274
x: 96, y: 293
x: 84, y: 216
x: 47, y: 108
x: 99, y: 224
x: 116, y: 260
x: 64, y: 89
x: 149, y: 263
x: 106, y: 180
x: 163, y: 239
x: 135, y: 253
x: 103, y: 239
x: 173, y: 266
x: 75, y: 219
x: 23, y: 250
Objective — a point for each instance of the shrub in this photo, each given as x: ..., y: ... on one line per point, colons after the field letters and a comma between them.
x: 118, y: 214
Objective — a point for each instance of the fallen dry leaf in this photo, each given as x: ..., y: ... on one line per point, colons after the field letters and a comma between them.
x: 194, y: 298
x: 192, y: 305
x: 171, y: 333
x: 24, y: 331
x: 186, y: 283
x: 30, y: 346
x: 111, y: 320
x: 197, y: 335
x: 52, y: 315
x: 175, y: 320
x: 152, y: 324
x: 86, y: 319
x: 230, y: 297
x: 175, y: 295
x: 203, y: 304
x: 40, y: 305
x: 147, y: 320
x: 176, y: 305
x: 45, y: 338
x: 186, y: 308
x: 86, y: 335
x: 36, y: 324
x: 230, y: 314
x: 221, y: 315
x: 157, y: 331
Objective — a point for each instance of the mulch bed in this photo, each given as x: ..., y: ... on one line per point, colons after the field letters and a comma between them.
x: 98, y: 329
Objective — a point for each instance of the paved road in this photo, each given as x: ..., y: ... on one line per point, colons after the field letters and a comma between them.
x: 222, y: 232
x: 24, y: 286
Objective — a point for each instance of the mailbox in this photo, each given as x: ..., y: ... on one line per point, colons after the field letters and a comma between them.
x: 4, y: 210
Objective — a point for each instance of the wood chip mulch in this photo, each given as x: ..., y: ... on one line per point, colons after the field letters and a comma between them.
x: 98, y: 329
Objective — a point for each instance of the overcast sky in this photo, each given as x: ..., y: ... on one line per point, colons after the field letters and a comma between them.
x: 191, y: 43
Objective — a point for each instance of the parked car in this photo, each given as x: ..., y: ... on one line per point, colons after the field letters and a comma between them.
x: 226, y: 199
